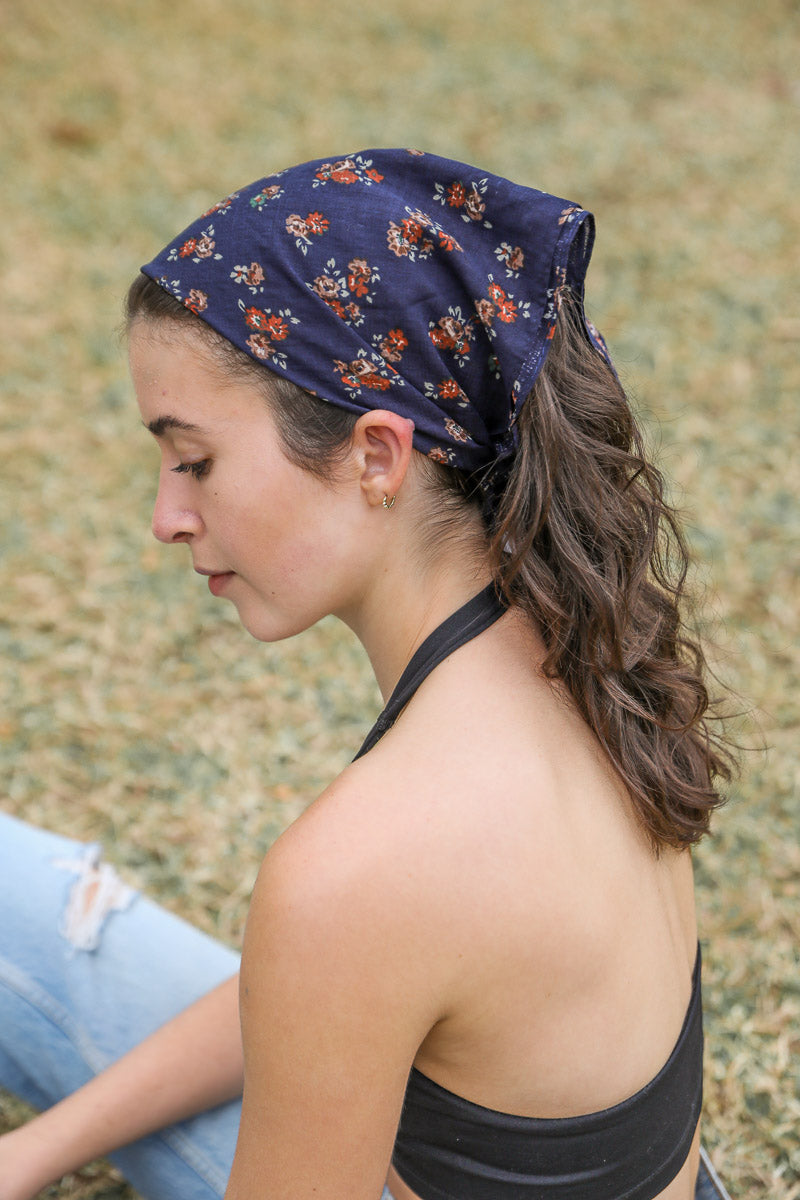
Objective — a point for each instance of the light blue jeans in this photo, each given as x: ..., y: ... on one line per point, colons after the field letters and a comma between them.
x: 88, y: 969
x: 68, y: 1010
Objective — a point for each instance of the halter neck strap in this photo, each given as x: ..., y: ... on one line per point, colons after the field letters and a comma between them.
x: 465, y: 623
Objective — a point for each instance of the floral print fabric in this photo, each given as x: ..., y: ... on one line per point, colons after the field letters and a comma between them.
x: 391, y: 279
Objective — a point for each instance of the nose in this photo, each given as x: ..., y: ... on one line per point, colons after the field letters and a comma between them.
x: 172, y: 520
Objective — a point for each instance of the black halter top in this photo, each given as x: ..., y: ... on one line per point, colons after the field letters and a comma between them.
x: 449, y: 1148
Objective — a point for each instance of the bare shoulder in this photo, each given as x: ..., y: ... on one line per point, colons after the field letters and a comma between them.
x: 334, y: 1000
x: 351, y: 890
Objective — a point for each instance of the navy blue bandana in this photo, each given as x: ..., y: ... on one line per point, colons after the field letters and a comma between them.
x: 391, y: 279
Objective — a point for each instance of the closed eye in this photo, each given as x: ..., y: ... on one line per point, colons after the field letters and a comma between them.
x: 196, y: 469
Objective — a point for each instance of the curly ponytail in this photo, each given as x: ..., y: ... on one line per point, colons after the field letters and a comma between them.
x: 585, y: 543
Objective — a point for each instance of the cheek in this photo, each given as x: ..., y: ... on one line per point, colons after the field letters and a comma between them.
x: 285, y: 524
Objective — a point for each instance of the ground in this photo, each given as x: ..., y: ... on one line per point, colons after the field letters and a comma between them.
x: 134, y: 709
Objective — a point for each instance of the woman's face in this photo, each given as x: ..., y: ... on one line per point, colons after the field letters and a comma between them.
x: 275, y: 540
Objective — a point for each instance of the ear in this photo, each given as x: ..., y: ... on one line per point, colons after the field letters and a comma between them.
x: 382, y: 442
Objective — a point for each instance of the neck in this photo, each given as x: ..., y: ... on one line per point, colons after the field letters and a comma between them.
x: 405, y: 605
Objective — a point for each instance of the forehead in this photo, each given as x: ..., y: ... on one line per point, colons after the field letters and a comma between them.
x: 181, y: 386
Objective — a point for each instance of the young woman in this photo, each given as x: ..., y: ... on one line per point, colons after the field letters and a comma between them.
x: 471, y: 968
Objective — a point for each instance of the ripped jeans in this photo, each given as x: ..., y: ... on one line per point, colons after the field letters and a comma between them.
x: 87, y: 969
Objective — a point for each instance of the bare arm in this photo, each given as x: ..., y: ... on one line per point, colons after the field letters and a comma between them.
x: 334, y: 1006
x: 192, y: 1063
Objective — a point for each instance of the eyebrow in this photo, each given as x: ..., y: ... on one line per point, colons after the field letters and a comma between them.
x: 160, y: 425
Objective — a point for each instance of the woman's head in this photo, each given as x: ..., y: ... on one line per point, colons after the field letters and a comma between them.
x: 391, y: 279
x: 314, y: 435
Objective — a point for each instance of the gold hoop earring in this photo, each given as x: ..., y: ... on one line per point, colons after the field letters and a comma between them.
x: 387, y: 503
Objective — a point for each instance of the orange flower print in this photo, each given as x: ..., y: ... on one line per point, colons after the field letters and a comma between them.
x: 411, y: 230
x: 196, y: 248
x: 256, y: 318
x: 301, y: 228
x: 447, y: 241
x: 347, y: 171
x: 504, y: 305
x: 452, y: 333
x: 512, y: 258
x: 474, y: 205
x: 266, y: 323
x: 409, y: 239
x: 500, y: 304
x: 276, y: 328
x: 358, y: 276
x: 222, y: 206
x: 467, y: 198
x: 485, y: 310
x: 439, y: 455
x: 446, y: 392
x: 406, y: 240
x: 456, y: 432
x: 317, y: 223
x: 260, y: 345
x: 392, y: 346
x: 338, y: 290
x: 252, y: 276
x: 196, y: 301
x: 342, y: 172
x: 326, y: 288
x: 269, y: 328
x: 361, y: 373
x: 296, y: 225
x: 450, y: 390
x: 271, y: 192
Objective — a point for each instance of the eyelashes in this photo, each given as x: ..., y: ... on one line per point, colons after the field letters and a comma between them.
x: 196, y: 469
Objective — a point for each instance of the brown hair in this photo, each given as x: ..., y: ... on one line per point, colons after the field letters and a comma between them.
x: 584, y: 542
x: 587, y: 545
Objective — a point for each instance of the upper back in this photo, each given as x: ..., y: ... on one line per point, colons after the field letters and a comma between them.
x: 552, y: 931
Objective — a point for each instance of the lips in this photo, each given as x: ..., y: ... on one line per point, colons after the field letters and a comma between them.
x: 216, y: 579
x: 216, y: 583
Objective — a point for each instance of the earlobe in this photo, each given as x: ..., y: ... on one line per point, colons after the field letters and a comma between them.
x: 383, y: 441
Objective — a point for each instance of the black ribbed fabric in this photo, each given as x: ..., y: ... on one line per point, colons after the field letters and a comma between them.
x: 448, y: 1148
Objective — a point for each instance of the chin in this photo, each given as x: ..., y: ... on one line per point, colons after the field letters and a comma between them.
x: 274, y: 626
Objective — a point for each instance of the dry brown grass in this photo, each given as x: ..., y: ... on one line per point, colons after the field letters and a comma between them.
x: 134, y: 709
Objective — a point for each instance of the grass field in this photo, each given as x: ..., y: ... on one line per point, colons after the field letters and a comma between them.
x: 134, y: 709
